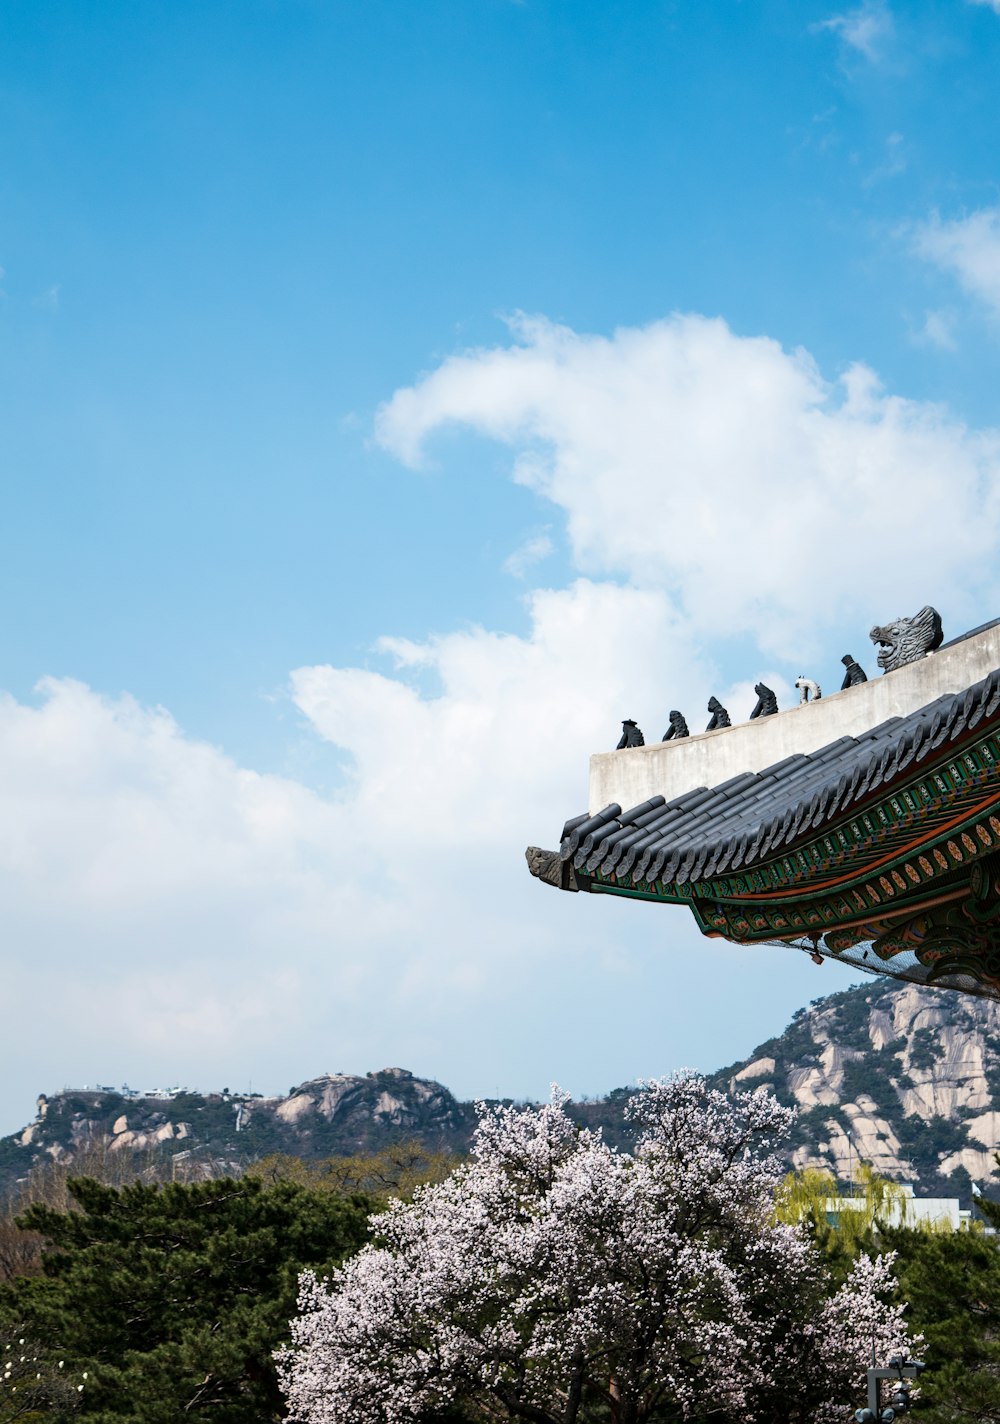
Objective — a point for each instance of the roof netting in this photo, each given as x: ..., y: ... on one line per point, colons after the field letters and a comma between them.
x: 903, y: 965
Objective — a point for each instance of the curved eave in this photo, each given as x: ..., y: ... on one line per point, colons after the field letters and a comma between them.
x: 891, y: 804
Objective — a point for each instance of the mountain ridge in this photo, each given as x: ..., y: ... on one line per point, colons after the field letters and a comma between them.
x: 904, y: 1077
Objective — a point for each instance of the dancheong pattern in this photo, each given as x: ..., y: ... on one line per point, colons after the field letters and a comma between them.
x: 883, y: 850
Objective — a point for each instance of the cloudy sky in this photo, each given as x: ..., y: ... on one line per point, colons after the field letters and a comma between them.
x: 394, y: 398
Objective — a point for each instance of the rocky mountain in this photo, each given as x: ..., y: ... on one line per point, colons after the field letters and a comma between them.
x: 903, y: 1077
x: 329, y: 1116
x: 906, y: 1078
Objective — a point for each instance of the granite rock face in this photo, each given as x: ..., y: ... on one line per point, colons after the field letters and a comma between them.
x: 903, y: 1077
x: 332, y: 1115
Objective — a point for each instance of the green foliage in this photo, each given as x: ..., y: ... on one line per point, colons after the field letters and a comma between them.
x: 48, y: 1182
x: 395, y: 1171
x: 952, y: 1283
x: 923, y: 1049
x: 807, y: 1197
x: 991, y: 1209
x: 174, y: 1297
x: 868, y: 1077
x: 184, y: 1105
x: 951, y: 1280
x: 803, y: 1196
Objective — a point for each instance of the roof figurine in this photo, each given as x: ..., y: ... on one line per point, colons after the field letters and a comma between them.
x: 678, y: 727
x: 767, y: 702
x: 808, y: 690
x: 867, y: 832
x: 855, y: 674
x: 907, y: 639
x: 631, y: 735
x: 719, y: 718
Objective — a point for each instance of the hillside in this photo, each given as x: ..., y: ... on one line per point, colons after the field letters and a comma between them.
x: 328, y: 1116
x: 906, y: 1078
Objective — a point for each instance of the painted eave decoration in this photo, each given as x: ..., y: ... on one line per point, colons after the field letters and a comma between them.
x: 880, y: 847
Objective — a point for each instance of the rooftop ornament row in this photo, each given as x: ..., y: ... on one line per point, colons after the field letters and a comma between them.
x: 900, y: 643
x: 862, y: 826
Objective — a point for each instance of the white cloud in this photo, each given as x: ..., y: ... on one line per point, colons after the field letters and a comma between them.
x: 534, y: 550
x: 729, y: 473
x: 992, y: 4
x: 869, y: 29
x: 172, y: 915
x: 491, y: 749
x: 938, y: 331
x: 969, y: 249
x: 894, y: 162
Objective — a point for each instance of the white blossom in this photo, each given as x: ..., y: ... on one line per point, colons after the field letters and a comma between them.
x: 35, y: 1379
x: 556, y: 1279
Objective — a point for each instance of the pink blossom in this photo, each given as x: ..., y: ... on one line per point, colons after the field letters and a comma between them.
x: 555, y: 1279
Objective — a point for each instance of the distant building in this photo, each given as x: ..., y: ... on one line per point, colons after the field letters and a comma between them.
x: 905, y: 1209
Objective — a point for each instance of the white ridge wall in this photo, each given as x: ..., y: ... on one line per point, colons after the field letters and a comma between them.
x: 670, y: 769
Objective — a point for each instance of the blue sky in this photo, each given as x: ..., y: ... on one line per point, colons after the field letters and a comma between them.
x: 325, y: 569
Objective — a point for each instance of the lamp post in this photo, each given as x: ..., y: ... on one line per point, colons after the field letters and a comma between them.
x: 899, y: 1370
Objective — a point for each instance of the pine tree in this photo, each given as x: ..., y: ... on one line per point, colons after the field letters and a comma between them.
x: 951, y: 1281
x: 173, y: 1298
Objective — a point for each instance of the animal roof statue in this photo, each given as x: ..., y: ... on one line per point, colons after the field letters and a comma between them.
x: 720, y: 717
x: 678, y: 727
x: 767, y: 702
x: 907, y: 639
x: 631, y: 735
x: 855, y: 674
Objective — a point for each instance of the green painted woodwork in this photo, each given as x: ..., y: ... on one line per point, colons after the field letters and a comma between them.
x: 915, y: 871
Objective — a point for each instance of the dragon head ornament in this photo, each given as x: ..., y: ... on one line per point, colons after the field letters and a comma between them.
x: 906, y: 640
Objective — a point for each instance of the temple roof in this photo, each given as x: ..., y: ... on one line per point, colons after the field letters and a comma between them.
x: 713, y: 831
x: 863, y: 827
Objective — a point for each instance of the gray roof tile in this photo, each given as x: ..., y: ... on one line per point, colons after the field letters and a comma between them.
x: 716, y: 830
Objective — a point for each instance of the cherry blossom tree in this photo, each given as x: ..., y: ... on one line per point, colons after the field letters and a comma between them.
x: 555, y: 1280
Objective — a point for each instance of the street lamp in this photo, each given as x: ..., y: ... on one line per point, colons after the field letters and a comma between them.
x: 899, y: 1370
